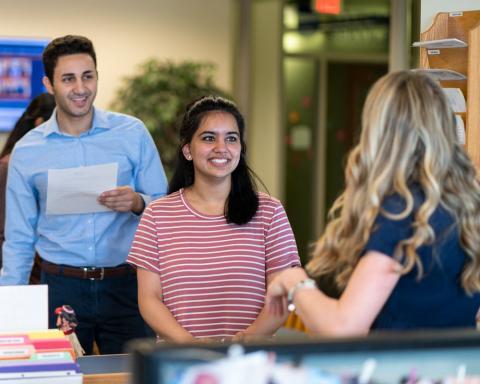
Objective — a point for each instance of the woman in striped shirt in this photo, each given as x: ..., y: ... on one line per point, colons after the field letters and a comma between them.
x: 206, y: 252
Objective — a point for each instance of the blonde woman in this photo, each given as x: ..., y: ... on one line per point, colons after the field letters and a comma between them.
x: 403, y: 238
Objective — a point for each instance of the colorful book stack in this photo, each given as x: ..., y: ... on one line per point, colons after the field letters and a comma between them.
x: 44, y: 357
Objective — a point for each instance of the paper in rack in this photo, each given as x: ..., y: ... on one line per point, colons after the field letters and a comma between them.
x: 442, y: 74
x: 456, y: 99
x: 460, y: 129
x: 441, y: 43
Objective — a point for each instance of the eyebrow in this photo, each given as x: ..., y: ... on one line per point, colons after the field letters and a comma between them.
x: 73, y: 74
x: 214, y: 133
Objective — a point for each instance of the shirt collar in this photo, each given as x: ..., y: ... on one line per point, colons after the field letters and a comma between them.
x: 99, y: 121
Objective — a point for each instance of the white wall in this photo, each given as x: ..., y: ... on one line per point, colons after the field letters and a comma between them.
x: 429, y: 8
x: 126, y: 32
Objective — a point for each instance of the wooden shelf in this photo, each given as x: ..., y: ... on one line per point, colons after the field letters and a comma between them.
x: 473, y: 98
x: 464, y: 26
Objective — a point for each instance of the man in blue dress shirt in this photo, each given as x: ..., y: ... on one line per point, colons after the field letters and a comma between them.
x: 83, y: 255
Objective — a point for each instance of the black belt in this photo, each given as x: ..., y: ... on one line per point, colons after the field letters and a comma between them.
x: 90, y: 273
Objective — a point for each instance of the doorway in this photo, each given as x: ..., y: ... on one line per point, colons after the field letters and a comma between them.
x: 317, y: 144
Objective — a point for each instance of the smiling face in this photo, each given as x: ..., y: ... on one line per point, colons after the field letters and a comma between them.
x: 74, y: 85
x: 215, y: 147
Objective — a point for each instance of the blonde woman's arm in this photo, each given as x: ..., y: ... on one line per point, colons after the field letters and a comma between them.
x: 154, y: 312
x: 368, y: 289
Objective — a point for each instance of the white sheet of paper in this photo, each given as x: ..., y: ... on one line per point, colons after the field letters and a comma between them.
x: 456, y: 99
x: 75, y: 190
x: 460, y: 129
x: 23, y: 307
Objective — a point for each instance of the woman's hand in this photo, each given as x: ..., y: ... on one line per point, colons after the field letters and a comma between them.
x: 276, y: 297
x: 247, y: 337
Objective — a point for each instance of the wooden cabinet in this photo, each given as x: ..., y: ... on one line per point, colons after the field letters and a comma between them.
x: 464, y: 26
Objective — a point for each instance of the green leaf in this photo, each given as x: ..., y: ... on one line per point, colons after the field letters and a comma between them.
x: 158, y: 94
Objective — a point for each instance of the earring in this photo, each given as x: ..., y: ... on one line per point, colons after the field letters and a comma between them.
x: 189, y: 157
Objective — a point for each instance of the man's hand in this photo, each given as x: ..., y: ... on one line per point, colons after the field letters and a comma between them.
x: 122, y: 199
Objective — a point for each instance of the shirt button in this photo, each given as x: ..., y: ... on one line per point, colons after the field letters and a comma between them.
x: 90, y: 248
x: 89, y: 221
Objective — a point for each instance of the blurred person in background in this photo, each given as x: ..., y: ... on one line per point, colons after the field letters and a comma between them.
x: 38, y: 111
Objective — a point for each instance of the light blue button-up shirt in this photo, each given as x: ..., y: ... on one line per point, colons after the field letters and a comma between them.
x: 94, y: 239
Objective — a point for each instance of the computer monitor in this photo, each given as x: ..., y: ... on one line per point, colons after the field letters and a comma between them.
x: 21, y: 73
x: 431, y: 354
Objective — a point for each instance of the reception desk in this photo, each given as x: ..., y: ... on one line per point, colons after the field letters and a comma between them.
x: 105, y: 369
x: 433, y: 355
x: 116, y: 369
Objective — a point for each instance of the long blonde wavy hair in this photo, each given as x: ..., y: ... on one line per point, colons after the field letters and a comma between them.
x: 408, y: 136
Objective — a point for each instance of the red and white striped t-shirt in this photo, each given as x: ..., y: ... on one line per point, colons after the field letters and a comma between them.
x: 213, y: 273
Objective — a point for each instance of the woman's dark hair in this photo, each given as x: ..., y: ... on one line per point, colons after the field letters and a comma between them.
x: 41, y: 106
x: 242, y: 201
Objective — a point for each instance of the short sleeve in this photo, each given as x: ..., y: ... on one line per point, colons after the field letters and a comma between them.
x: 144, y: 251
x: 280, y: 246
x: 387, y: 233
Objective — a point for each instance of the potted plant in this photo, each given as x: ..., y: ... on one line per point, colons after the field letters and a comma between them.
x: 158, y: 94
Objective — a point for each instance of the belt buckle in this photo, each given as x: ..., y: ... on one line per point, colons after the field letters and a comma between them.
x: 93, y: 269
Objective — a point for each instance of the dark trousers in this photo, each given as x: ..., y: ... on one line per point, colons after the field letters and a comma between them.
x: 107, y: 310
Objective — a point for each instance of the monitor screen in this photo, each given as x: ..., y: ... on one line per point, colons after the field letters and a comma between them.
x: 21, y: 73
x: 430, y: 354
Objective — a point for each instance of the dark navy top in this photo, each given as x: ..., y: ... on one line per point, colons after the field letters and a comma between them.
x: 437, y: 300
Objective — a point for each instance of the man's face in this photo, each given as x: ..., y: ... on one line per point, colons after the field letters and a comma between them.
x: 74, y: 85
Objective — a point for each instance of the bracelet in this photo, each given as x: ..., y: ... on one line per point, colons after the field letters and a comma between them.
x: 307, y: 283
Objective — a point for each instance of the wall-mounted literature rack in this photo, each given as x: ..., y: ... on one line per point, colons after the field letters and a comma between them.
x: 450, y: 51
